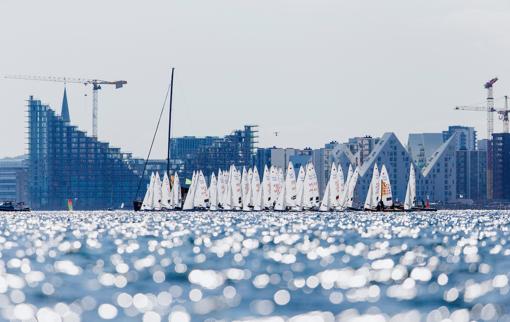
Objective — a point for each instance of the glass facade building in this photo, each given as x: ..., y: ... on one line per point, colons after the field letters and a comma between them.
x: 466, y: 138
x: 472, y: 175
x: 212, y: 153
x: 501, y: 166
x: 13, y: 179
x: 66, y: 164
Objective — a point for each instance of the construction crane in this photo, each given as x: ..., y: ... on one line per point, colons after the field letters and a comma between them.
x: 489, y: 108
x: 96, y: 86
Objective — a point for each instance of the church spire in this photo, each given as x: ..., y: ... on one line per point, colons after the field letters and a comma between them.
x: 65, y: 108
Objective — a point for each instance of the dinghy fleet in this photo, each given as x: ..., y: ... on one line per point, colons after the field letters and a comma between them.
x: 276, y: 190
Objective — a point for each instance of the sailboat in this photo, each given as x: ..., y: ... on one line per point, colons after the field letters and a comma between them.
x: 256, y: 191
x: 246, y: 190
x: 201, y: 195
x: 311, y: 188
x: 227, y: 200
x: 266, y: 189
x: 176, y: 193
x: 341, y: 186
x: 148, y: 199
x: 410, y: 200
x: 275, y: 185
x: 345, y: 191
x: 290, y: 187
x: 385, y: 198
x: 156, y: 197
x: 348, y: 198
x: 237, y: 199
x: 325, y: 204
x: 331, y: 198
x: 213, y: 193
x: 166, y: 197
x: 220, y: 190
x: 373, y: 195
x: 157, y: 194
x: 190, y: 196
x: 300, y: 186
x: 385, y: 193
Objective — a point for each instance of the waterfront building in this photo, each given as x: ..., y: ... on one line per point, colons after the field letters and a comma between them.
x: 481, y: 145
x: 389, y: 152
x: 66, y: 164
x: 501, y: 166
x: 278, y: 157
x: 361, y: 147
x: 212, y: 153
x: 466, y: 138
x: 471, y: 176
x: 301, y: 158
x: 13, y: 179
x: 340, y: 154
x: 438, y: 183
x: 421, y: 146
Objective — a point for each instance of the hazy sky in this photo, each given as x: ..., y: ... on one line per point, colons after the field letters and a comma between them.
x: 313, y: 70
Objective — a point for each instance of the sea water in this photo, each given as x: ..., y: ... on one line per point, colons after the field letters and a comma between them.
x: 224, y: 266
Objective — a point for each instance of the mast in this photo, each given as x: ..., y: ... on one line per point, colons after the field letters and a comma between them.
x: 170, y: 122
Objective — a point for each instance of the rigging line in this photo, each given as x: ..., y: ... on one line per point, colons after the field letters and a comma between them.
x: 152, y: 143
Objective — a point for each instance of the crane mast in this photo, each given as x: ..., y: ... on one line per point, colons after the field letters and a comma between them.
x: 95, y: 93
x: 490, y: 107
x: 490, y: 130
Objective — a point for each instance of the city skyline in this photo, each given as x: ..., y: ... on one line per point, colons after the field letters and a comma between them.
x: 387, y: 78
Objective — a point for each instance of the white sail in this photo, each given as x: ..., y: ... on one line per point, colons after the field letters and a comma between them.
x: 246, y: 190
x: 300, y: 189
x: 290, y: 186
x: 201, y: 198
x: 250, y: 178
x: 341, y: 184
x: 344, y: 196
x: 386, y: 195
x: 176, y: 193
x: 351, y: 188
x: 311, y: 188
x: 281, y: 181
x: 227, y: 201
x: 190, y: 196
x: 156, y: 199
x: 334, y: 192
x: 166, y: 197
x: 256, y: 191
x: 266, y: 189
x: 147, y: 200
x: 373, y: 190
x: 237, y: 201
x: 280, y: 204
x: 410, y: 201
x: 213, y: 193
x: 275, y: 185
x: 325, y: 204
x: 219, y: 191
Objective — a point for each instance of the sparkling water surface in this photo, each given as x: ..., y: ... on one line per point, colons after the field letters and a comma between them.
x: 224, y: 266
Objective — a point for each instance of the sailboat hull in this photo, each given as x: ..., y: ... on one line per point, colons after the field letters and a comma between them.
x: 418, y: 209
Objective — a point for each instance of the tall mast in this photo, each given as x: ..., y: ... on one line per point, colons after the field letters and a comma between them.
x: 170, y: 122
